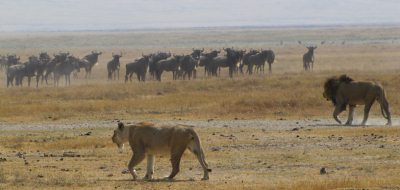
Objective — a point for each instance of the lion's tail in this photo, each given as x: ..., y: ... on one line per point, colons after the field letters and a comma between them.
x: 384, y: 103
x: 200, y: 154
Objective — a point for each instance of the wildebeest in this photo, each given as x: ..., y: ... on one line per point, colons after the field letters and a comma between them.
x: 113, y: 67
x: 139, y: 66
x: 188, y: 66
x: 205, y: 60
x: 309, y: 58
x: 58, y: 58
x: 230, y: 60
x: 12, y: 60
x: 245, y: 61
x: 196, y: 53
x: 65, y: 68
x: 171, y: 64
x: 90, y: 61
x: 19, y: 71
x: 44, y: 59
x: 15, y: 72
x: 154, y: 58
x: 260, y: 58
x: 31, y: 68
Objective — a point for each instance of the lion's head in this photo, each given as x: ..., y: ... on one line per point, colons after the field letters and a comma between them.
x: 120, y: 135
x: 331, y: 86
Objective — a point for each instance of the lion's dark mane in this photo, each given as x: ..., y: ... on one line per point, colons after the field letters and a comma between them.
x: 332, y: 84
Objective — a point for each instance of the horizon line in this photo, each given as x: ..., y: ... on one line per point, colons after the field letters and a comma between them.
x: 200, y: 28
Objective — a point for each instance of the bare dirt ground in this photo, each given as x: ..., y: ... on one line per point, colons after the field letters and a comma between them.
x: 266, y: 131
x: 244, y: 154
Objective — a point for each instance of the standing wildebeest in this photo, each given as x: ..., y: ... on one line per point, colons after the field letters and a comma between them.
x: 170, y: 64
x: 65, y: 68
x: 113, y: 66
x: 196, y: 53
x: 188, y: 66
x: 245, y: 61
x: 139, y: 66
x: 44, y: 59
x: 259, y: 60
x: 90, y: 61
x: 230, y: 60
x: 12, y: 60
x: 15, y: 72
x: 31, y: 68
x: 19, y: 71
x: 205, y: 60
x: 58, y: 58
x: 309, y: 58
x: 154, y: 58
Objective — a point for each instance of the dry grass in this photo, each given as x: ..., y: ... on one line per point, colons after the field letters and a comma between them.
x: 254, y: 159
x: 276, y: 96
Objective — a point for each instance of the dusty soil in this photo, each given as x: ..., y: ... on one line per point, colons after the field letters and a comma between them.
x: 254, y: 154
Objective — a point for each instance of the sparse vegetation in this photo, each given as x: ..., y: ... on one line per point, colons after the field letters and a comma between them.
x: 286, y: 149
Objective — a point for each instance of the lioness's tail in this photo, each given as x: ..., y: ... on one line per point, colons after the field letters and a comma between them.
x: 198, y: 150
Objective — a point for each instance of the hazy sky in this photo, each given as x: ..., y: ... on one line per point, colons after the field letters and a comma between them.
x: 61, y: 15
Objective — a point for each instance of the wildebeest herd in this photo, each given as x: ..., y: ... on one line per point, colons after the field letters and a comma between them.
x: 182, y: 66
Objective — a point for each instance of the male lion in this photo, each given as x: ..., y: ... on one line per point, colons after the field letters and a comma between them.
x: 345, y: 91
x: 147, y: 139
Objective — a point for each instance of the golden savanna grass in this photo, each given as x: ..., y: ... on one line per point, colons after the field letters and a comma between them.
x: 256, y: 156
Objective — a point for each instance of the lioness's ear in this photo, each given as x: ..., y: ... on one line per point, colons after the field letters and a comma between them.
x: 120, y: 125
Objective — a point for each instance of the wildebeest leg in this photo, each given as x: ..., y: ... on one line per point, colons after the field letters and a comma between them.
x: 231, y: 70
x: 312, y: 65
x: 351, y: 115
x: 262, y: 67
x: 138, y: 76
x: 37, y: 80
x: 367, y: 108
x: 130, y: 76
x: 337, y: 111
x: 270, y: 68
x: 29, y: 81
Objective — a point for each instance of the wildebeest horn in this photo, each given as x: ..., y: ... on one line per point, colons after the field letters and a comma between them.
x: 192, y: 49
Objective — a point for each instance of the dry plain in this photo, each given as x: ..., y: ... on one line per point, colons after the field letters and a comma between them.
x: 266, y: 131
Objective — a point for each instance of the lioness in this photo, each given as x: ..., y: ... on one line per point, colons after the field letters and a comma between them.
x: 345, y: 91
x: 147, y: 139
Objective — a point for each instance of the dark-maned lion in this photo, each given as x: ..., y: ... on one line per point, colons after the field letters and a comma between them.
x: 148, y: 140
x: 345, y: 91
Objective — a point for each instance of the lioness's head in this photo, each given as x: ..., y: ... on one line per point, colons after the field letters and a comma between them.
x: 120, y: 135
